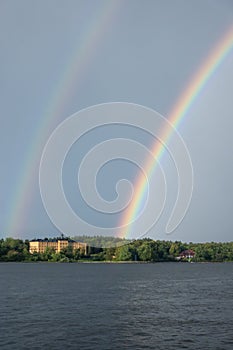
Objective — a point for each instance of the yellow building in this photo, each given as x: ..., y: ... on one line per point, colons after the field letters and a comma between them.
x: 58, y: 244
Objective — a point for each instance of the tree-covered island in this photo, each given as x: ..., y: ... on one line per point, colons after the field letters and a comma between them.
x: 140, y: 250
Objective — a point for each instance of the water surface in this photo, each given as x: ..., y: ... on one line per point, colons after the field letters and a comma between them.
x: 116, y: 306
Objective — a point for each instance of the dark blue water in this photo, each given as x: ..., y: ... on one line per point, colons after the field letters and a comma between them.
x: 116, y: 306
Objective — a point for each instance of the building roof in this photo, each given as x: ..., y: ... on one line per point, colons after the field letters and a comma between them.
x: 55, y: 240
x: 187, y: 253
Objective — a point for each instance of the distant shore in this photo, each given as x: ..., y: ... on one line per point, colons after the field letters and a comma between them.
x: 115, y: 262
x: 67, y: 250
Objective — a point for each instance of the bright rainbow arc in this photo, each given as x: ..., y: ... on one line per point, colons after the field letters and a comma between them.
x: 72, y: 76
x: 76, y: 68
x: 178, y: 112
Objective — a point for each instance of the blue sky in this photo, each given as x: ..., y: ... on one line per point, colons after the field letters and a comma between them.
x: 145, y: 54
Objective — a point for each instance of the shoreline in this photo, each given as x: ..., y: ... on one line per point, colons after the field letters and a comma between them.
x: 114, y: 262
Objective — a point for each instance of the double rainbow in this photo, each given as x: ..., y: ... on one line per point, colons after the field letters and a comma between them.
x: 73, y: 73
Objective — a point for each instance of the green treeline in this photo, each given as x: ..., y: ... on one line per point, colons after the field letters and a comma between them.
x: 138, y: 250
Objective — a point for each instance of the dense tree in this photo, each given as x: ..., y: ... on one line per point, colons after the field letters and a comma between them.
x: 141, y: 250
x: 124, y: 253
x: 109, y: 253
x: 176, y: 248
x: 146, y: 252
x: 101, y: 241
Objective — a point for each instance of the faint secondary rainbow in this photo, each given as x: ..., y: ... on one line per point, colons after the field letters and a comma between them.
x: 68, y: 83
x: 178, y: 112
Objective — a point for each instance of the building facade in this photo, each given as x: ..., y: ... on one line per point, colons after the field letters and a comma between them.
x: 58, y: 244
x: 186, y: 254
